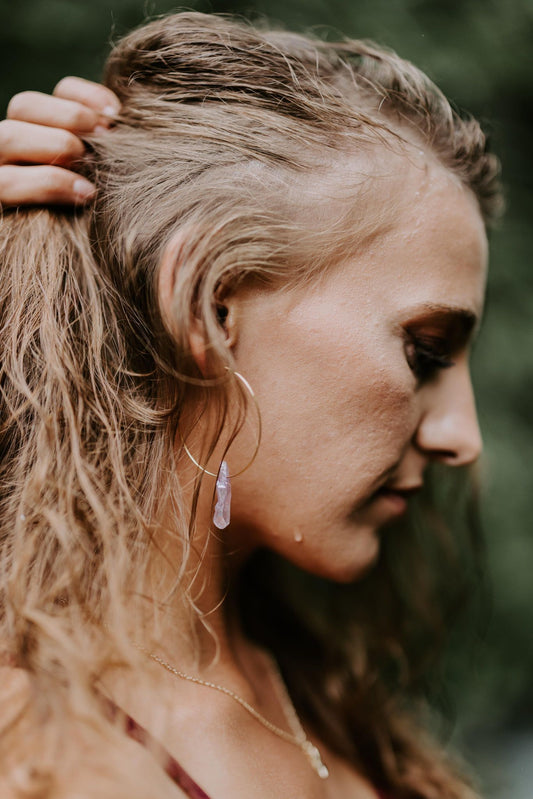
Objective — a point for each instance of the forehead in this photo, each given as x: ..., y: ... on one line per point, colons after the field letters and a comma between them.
x: 440, y: 238
x: 365, y: 193
x: 428, y: 242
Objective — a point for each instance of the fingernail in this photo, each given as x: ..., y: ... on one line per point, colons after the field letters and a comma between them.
x: 83, y: 189
x: 110, y: 111
x: 99, y: 129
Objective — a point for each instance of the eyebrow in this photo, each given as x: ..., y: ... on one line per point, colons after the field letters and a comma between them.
x: 463, y: 321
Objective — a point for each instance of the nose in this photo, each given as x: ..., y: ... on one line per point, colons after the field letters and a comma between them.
x: 449, y: 430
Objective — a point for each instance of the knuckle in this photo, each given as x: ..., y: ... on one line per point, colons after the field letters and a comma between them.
x: 69, y: 87
x: 18, y: 103
x: 51, y: 181
x: 7, y: 136
x: 5, y: 181
x: 63, y: 84
x: 11, y: 186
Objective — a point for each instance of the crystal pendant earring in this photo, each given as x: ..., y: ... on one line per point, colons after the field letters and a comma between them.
x: 221, y: 516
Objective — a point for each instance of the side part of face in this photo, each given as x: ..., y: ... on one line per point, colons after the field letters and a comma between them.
x: 362, y: 379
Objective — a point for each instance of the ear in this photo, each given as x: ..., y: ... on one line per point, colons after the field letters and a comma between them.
x: 170, y: 263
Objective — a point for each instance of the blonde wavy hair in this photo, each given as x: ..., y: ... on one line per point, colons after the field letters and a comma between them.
x: 224, y: 131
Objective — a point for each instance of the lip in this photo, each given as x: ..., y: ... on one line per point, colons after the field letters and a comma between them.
x: 395, y: 498
x: 390, y: 500
x: 393, y: 501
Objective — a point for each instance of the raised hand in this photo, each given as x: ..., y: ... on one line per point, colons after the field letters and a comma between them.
x: 39, y: 141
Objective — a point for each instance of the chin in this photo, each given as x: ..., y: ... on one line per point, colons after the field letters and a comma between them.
x: 352, y: 562
x: 353, y: 572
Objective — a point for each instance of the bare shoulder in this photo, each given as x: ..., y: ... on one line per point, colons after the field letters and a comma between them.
x: 118, y: 768
x: 92, y: 766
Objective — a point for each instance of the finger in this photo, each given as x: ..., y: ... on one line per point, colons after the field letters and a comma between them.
x: 42, y: 185
x: 94, y: 95
x: 37, y: 144
x: 41, y: 109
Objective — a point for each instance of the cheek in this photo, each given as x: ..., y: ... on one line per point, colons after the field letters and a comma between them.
x: 329, y: 426
x: 387, y: 402
x: 372, y: 388
x: 337, y: 404
x: 378, y: 420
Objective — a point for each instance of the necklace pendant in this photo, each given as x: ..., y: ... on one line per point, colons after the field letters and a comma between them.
x: 315, y: 759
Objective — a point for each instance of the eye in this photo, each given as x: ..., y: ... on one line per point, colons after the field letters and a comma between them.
x: 426, y: 356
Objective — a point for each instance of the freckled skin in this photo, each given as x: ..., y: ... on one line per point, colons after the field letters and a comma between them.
x: 340, y: 404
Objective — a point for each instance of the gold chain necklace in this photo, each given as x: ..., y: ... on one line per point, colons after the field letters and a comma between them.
x: 297, y: 737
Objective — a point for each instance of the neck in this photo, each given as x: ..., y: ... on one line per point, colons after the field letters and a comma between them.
x: 190, y: 617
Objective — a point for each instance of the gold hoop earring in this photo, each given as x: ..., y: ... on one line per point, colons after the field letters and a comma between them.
x: 221, y: 516
x: 203, y: 469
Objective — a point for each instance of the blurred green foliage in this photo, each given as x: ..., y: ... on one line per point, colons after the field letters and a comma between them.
x: 481, y: 53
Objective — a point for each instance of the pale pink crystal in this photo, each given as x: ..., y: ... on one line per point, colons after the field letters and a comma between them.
x: 221, y: 516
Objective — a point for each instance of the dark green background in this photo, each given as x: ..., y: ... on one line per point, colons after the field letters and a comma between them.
x: 481, y: 53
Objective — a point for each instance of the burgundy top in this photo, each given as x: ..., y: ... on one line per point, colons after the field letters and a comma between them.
x: 175, y: 771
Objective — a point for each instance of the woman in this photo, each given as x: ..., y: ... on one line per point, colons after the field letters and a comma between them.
x: 220, y: 382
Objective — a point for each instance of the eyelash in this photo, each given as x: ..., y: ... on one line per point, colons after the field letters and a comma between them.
x: 427, y: 357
